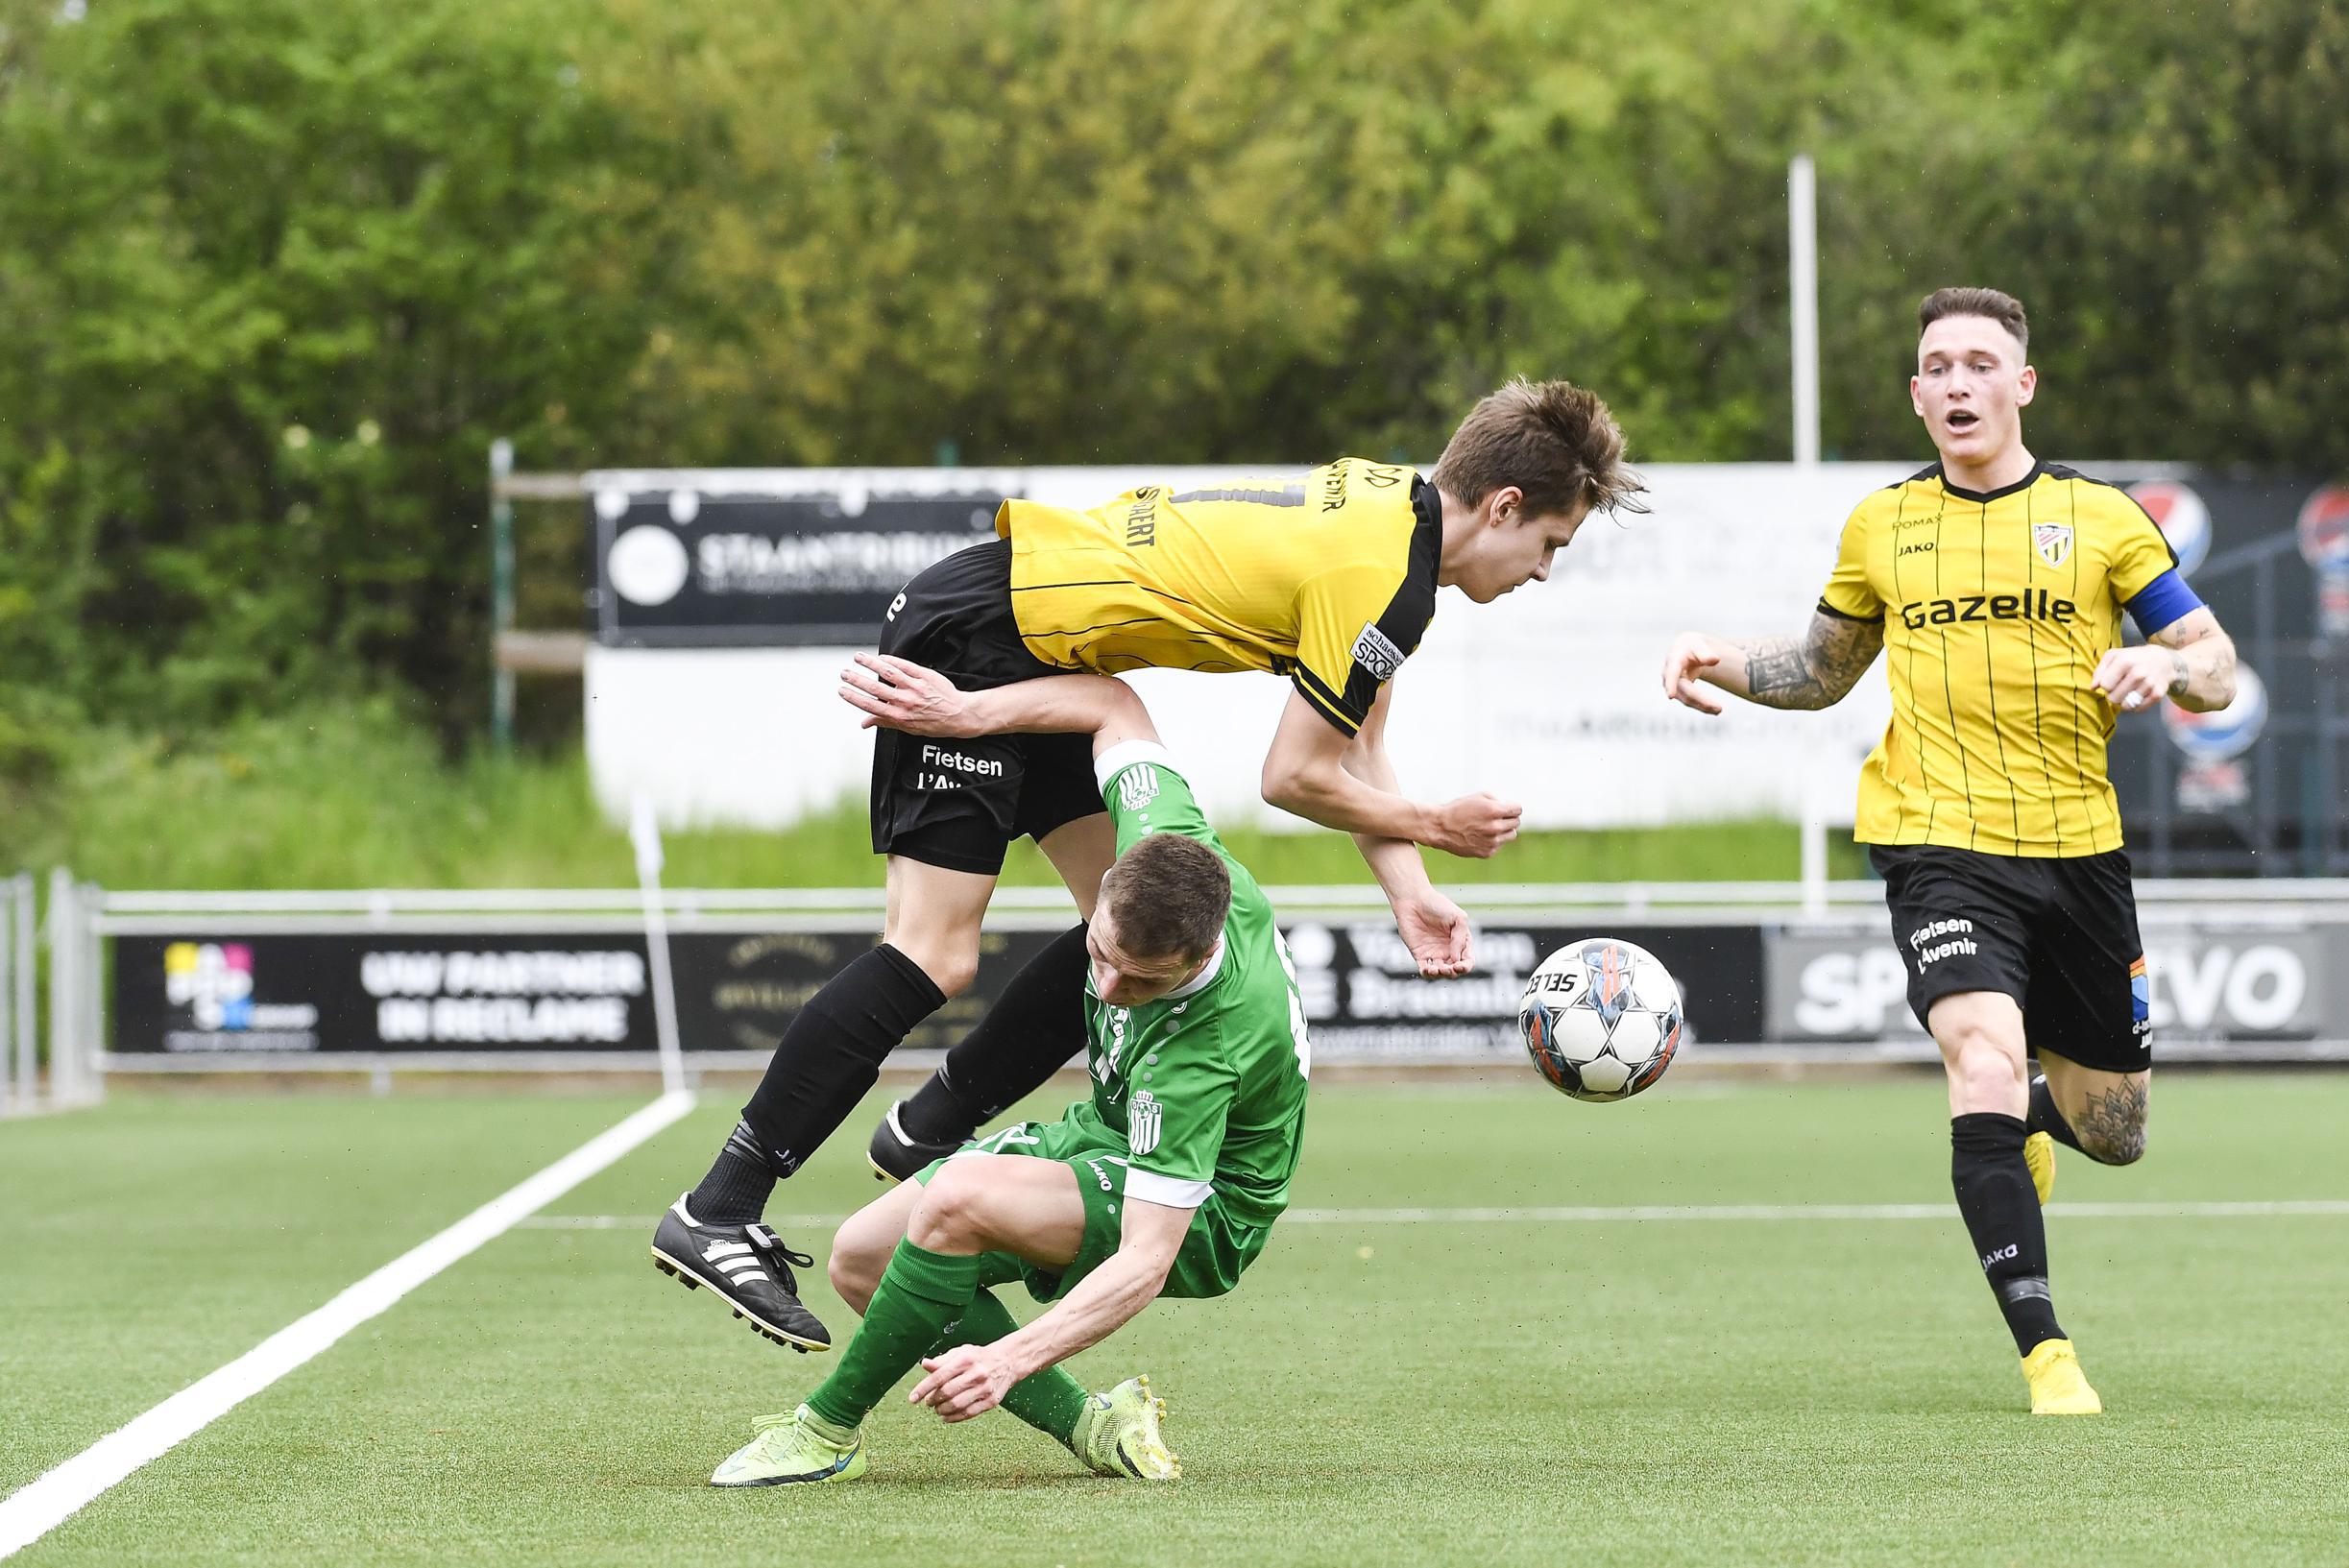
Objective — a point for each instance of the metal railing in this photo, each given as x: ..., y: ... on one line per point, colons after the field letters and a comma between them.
x: 21, y: 1083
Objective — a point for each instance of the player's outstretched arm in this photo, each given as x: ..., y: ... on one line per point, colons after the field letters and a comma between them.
x: 1814, y: 671
x: 2190, y: 661
x: 971, y: 1379
x: 1305, y: 772
x: 1433, y: 926
x: 898, y: 694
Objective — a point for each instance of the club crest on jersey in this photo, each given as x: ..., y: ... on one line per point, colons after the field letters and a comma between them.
x: 2053, y: 541
x: 1137, y: 786
x: 1143, y: 1120
x: 1375, y: 651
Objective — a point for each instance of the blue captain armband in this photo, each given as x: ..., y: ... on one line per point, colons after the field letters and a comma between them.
x: 2163, y: 603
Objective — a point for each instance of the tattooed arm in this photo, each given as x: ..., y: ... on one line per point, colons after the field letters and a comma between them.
x: 1813, y: 670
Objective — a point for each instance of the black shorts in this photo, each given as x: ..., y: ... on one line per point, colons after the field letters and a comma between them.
x: 959, y: 803
x: 2059, y: 935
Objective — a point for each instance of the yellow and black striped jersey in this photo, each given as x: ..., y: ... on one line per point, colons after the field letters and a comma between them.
x: 1997, y: 607
x: 1328, y: 578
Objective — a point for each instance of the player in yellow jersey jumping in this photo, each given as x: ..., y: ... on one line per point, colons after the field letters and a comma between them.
x: 1327, y: 577
x: 1996, y: 584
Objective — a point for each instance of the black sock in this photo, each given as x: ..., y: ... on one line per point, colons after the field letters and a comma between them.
x: 2043, y: 1117
x: 831, y: 1055
x: 736, y: 1190
x: 1030, y: 1033
x: 2001, y: 1213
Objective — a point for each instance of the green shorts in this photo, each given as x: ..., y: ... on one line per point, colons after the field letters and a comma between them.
x: 1213, y: 1251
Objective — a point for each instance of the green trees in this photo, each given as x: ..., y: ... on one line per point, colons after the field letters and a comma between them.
x: 272, y: 275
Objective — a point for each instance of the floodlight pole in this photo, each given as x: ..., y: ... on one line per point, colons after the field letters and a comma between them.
x: 501, y: 592
x: 1802, y: 268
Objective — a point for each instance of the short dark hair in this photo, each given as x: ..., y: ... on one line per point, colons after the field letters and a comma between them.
x: 1169, y: 896
x: 1553, y: 440
x: 2003, y: 308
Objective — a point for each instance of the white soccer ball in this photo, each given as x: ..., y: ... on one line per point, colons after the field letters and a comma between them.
x: 1600, y: 1019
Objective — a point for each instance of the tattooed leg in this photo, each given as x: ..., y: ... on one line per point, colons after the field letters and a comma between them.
x: 2106, y: 1110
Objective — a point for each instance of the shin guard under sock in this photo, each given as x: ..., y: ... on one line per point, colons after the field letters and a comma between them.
x: 1050, y: 1401
x: 2001, y: 1213
x: 832, y: 1053
x: 920, y: 1293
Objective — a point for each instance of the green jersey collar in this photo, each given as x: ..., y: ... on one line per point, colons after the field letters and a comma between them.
x: 1204, y: 978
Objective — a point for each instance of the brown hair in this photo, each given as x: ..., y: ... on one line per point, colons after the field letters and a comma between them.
x: 1553, y: 440
x: 2003, y: 308
x: 1169, y: 896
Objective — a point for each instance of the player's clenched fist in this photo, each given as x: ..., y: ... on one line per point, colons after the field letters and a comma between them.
x: 1691, y: 652
x: 2132, y: 678
x: 1474, y: 825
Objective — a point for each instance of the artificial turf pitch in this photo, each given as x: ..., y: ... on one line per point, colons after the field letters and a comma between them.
x: 1382, y: 1389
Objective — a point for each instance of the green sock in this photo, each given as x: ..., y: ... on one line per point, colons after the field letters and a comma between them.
x: 920, y: 1292
x: 1051, y: 1400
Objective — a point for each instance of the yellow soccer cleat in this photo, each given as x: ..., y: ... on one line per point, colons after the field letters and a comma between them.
x: 1119, y: 1434
x: 2058, y: 1385
x: 793, y: 1449
x: 2039, y: 1153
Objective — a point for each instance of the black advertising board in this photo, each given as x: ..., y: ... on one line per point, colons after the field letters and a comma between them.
x: 445, y: 991
x: 678, y: 568
x: 1366, y: 1001
x: 375, y: 991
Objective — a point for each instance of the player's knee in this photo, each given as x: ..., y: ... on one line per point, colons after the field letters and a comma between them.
x: 855, y: 1272
x: 951, y: 961
x: 952, y: 1213
x: 1985, y: 1072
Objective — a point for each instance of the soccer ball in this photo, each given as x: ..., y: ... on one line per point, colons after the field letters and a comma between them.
x: 1602, y: 1018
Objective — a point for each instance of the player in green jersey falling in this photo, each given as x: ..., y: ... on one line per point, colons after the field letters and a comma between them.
x: 1163, y: 1182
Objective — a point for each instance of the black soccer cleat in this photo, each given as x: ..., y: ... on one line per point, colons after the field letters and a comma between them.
x: 897, y: 1155
x: 748, y: 1268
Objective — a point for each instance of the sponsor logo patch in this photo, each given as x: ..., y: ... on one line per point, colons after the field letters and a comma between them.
x: 1375, y: 651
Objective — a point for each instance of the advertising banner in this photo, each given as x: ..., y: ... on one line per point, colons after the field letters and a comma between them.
x: 412, y: 991
x: 688, y: 560
x: 2210, y: 982
x: 379, y: 991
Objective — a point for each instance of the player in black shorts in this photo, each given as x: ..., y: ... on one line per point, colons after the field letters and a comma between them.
x: 1997, y: 582
x: 959, y: 803
x: 1327, y: 577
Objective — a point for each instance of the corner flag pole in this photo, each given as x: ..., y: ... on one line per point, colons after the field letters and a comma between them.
x: 644, y: 831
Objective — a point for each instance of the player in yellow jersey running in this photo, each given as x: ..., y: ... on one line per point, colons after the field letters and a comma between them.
x: 1327, y: 577
x: 1996, y: 584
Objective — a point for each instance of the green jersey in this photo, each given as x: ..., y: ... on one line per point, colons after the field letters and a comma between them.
x: 1204, y: 1087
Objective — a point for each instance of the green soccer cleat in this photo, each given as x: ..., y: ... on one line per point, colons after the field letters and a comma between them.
x: 1118, y: 1434
x: 788, y: 1450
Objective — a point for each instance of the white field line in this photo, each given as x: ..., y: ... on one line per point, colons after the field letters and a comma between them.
x: 2322, y: 1207
x: 42, y: 1505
